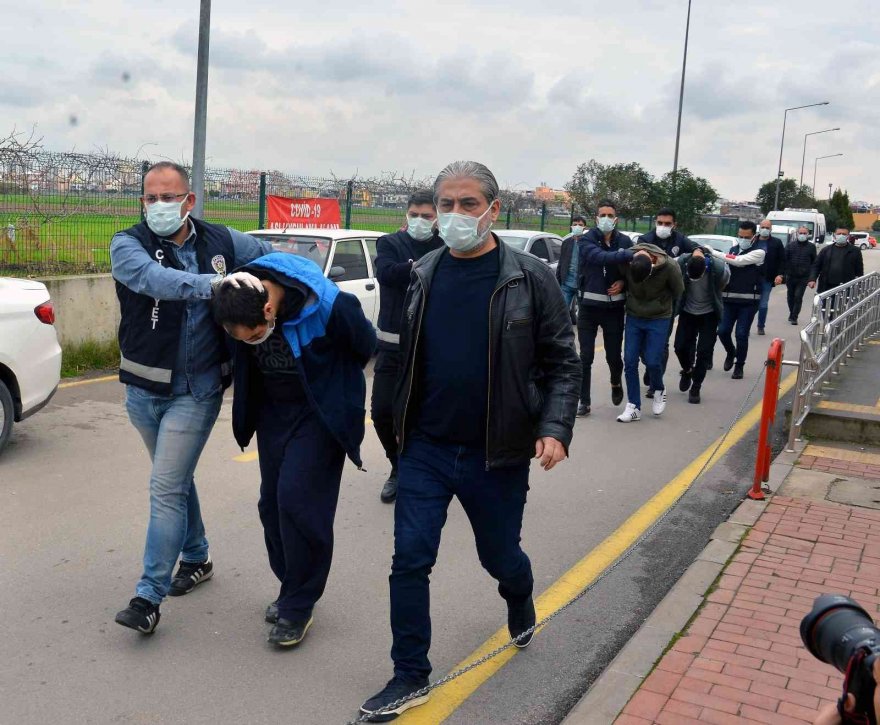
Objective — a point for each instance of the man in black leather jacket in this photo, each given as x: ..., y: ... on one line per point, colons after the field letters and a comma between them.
x: 491, y: 379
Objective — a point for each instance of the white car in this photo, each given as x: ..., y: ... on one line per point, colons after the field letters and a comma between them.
x: 544, y: 245
x: 347, y: 256
x: 30, y: 356
x: 721, y: 242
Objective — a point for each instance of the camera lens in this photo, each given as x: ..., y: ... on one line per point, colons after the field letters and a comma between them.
x: 836, y: 628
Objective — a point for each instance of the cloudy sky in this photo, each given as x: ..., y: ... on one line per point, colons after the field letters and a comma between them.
x: 529, y: 88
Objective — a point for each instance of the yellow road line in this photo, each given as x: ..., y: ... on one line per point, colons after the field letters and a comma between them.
x: 445, y: 700
x: 89, y: 381
x: 842, y: 454
x: 848, y: 407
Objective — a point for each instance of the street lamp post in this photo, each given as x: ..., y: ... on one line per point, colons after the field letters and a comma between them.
x: 829, y: 190
x: 201, y: 114
x: 687, y: 30
x: 815, y: 167
x: 806, y: 135
x: 782, y: 145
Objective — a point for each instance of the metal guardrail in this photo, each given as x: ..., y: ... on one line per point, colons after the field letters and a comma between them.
x: 843, y: 319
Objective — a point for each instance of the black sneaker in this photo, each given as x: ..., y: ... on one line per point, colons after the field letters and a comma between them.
x: 286, y: 633
x: 583, y: 410
x: 684, y: 382
x: 389, y: 490
x: 189, y: 576
x: 141, y: 615
x: 694, y: 395
x: 616, y: 394
x: 761, y: 331
x: 649, y: 393
x: 272, y: 612
x: 521, y: 617
x: 728, y: 360
x: 737, y: 372
x: 396, y: 689
x: 793, y: 322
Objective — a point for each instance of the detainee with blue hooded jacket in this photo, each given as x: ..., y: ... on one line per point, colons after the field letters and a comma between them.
x: 302, y: 345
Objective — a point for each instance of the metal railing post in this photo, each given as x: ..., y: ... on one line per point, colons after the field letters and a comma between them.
x: 543, y: 215
x: 262, y: 212
x: 348, y: 201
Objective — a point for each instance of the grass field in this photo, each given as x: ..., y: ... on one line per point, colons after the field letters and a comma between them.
x: 76, y: 239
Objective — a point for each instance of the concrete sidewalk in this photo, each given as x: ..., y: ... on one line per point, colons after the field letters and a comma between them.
x: 741, y: 659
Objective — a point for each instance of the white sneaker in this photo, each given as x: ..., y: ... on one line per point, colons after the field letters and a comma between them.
x: 659, y: 402
x: 630, y: 414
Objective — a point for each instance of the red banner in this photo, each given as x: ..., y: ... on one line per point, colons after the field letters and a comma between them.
x: 284, y: 213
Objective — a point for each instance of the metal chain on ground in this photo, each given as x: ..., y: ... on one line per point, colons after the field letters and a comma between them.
x: 577, y: 597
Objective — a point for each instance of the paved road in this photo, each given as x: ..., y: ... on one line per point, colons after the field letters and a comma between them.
x: 73, y: 509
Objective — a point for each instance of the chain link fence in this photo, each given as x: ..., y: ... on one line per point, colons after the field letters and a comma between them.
x: 59, y: 211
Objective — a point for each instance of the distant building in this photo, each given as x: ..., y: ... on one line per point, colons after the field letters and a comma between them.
x: 545, y: 194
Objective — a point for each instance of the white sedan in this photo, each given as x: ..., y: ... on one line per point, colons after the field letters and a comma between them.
x: 30, y: 357
x: 544, y: 245
x: 347, y: 256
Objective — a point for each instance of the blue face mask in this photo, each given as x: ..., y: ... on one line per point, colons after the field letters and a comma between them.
x: 840, y: 240
x: 163, y: 217
x: 745, y: 244
x: 605, y: 224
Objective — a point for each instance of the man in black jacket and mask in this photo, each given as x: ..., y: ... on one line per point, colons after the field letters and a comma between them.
x: 800, y: 254
x: 490, y: 380
x: 837, y: 264
x: 395, y: 255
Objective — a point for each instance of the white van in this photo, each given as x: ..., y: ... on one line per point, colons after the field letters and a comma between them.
x: 809, y: 218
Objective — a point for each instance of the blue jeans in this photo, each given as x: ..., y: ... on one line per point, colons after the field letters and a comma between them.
x: 568, y: 294
x: 742, y: 317
x: 764, y: 304
x: 175, y: 429
x: 430, y: 474
x: 645, y: 340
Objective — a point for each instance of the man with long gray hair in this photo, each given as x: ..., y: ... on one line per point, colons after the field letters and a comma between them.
x: 490, y: 379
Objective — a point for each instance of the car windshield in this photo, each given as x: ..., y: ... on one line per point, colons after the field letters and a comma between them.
x: 793, y: 223
x: 514, y: 241
x: 314, y: 248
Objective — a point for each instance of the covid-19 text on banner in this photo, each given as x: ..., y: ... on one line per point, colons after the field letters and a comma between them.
x: 285, y: 213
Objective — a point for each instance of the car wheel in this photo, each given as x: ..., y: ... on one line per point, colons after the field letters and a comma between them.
x: 7, y: 413
x: 863, y: 246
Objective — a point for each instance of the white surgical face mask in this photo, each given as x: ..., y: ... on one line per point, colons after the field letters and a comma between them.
x: 744, y: 244
x: 840, y: 240
x: 420, y: 229
x: 664, y: 232
x: 163, y: 217
x: 577, y: 229
x: 270, y: 328
x: 802, y: 237
x: 605, y: 224
x: 461, y: 232
x: 764, y: 232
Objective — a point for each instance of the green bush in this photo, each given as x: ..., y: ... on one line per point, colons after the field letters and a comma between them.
x: 87, y: 356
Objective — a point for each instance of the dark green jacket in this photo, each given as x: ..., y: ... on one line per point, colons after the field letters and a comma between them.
x: 655, y: 297
x: 717, y: 283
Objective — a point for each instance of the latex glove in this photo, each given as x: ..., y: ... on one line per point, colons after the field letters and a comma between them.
x: 243, y: 279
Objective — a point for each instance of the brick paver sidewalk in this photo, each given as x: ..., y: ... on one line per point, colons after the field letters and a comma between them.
x: 741, y: 659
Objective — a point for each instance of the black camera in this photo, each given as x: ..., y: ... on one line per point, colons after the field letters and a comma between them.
x: 840, y: 633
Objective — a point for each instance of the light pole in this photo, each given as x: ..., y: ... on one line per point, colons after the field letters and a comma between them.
x: 687, y: 30
x: 782, y: 145
x: 201, y: 115
x: 829, y: 190
x: 827, y: 130
x: 816, y: 165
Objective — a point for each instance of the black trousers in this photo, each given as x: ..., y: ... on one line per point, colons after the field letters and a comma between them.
x: 695, y: 342
x: 301, y: 467
x: 611, y: 320
x: 796, y: 287
x: 389, y: 364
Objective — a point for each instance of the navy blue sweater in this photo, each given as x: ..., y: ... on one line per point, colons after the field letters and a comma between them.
x: 331, y: 341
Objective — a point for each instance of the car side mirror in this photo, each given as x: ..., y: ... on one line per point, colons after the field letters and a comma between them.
x: 336, y: 272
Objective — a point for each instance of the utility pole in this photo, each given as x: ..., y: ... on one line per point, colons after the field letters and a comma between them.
x: 687, y: 30
x: 201, y: 116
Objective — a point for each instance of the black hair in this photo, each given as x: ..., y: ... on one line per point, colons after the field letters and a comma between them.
x: 182, y: 172
x: 751, y: 226
x: 419, y: 197
x: 847, y: 229
x: 606, y: 202
x: 696, y: 267
x: 640, y: 268
x: 578, y: 218
x: 239, y: 306
x: 666, y: 211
